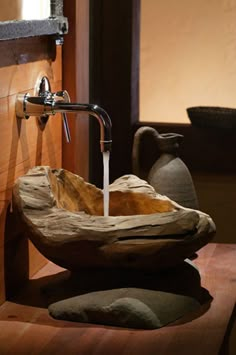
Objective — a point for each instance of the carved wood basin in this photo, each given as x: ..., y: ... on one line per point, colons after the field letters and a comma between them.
x: 63, y: 216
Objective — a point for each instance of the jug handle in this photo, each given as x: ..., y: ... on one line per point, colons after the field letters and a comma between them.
x: 137, y: 167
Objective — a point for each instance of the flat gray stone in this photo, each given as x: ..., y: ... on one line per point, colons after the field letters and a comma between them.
x: 125, y: 307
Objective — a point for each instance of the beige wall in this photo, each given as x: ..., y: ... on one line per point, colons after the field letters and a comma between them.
x: 188, y: 57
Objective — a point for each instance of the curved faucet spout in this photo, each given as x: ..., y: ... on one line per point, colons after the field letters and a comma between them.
x: 51, y: 103
x: 94, y: 110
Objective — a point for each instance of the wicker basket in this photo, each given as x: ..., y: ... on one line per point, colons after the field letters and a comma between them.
x: 214, y: 117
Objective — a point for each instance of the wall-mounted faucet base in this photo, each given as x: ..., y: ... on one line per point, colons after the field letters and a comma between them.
x: 48, y: 103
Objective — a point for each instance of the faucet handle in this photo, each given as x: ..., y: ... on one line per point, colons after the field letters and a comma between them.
x: 66, y: 128
x: 64, y: 97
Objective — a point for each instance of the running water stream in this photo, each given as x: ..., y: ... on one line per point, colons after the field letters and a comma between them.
x: 106, y: 157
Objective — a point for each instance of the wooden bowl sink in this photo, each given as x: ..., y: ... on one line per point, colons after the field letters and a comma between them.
x: 63, y: 216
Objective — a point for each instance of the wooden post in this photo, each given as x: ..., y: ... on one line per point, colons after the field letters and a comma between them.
x: 75, y: 155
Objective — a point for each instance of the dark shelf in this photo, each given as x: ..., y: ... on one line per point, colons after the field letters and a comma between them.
x: 30, y: 28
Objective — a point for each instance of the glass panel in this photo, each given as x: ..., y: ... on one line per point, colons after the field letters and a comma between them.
x: 24, y: 10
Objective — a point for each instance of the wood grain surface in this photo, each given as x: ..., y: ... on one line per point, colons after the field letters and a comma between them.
x: 27, y: 328
x: 23, y: 144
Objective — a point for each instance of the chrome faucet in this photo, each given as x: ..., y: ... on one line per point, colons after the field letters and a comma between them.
x: 48, y: 103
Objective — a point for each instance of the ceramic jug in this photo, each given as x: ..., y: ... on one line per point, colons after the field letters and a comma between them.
x: 169, y: 175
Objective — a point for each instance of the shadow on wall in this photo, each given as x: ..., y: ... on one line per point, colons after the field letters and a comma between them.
x: 22, y: 51
x: 16, y: 255
x: 217, y: 196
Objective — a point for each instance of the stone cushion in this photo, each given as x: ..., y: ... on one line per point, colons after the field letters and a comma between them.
x: 125, y: 307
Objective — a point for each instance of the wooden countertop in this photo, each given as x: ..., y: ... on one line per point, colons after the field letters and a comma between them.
x: 26, y: 327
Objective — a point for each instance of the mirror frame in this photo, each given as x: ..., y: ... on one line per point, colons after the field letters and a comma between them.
x: 56, y: 25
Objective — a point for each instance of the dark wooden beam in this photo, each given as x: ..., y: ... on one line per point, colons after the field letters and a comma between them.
x: 114, y: 78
